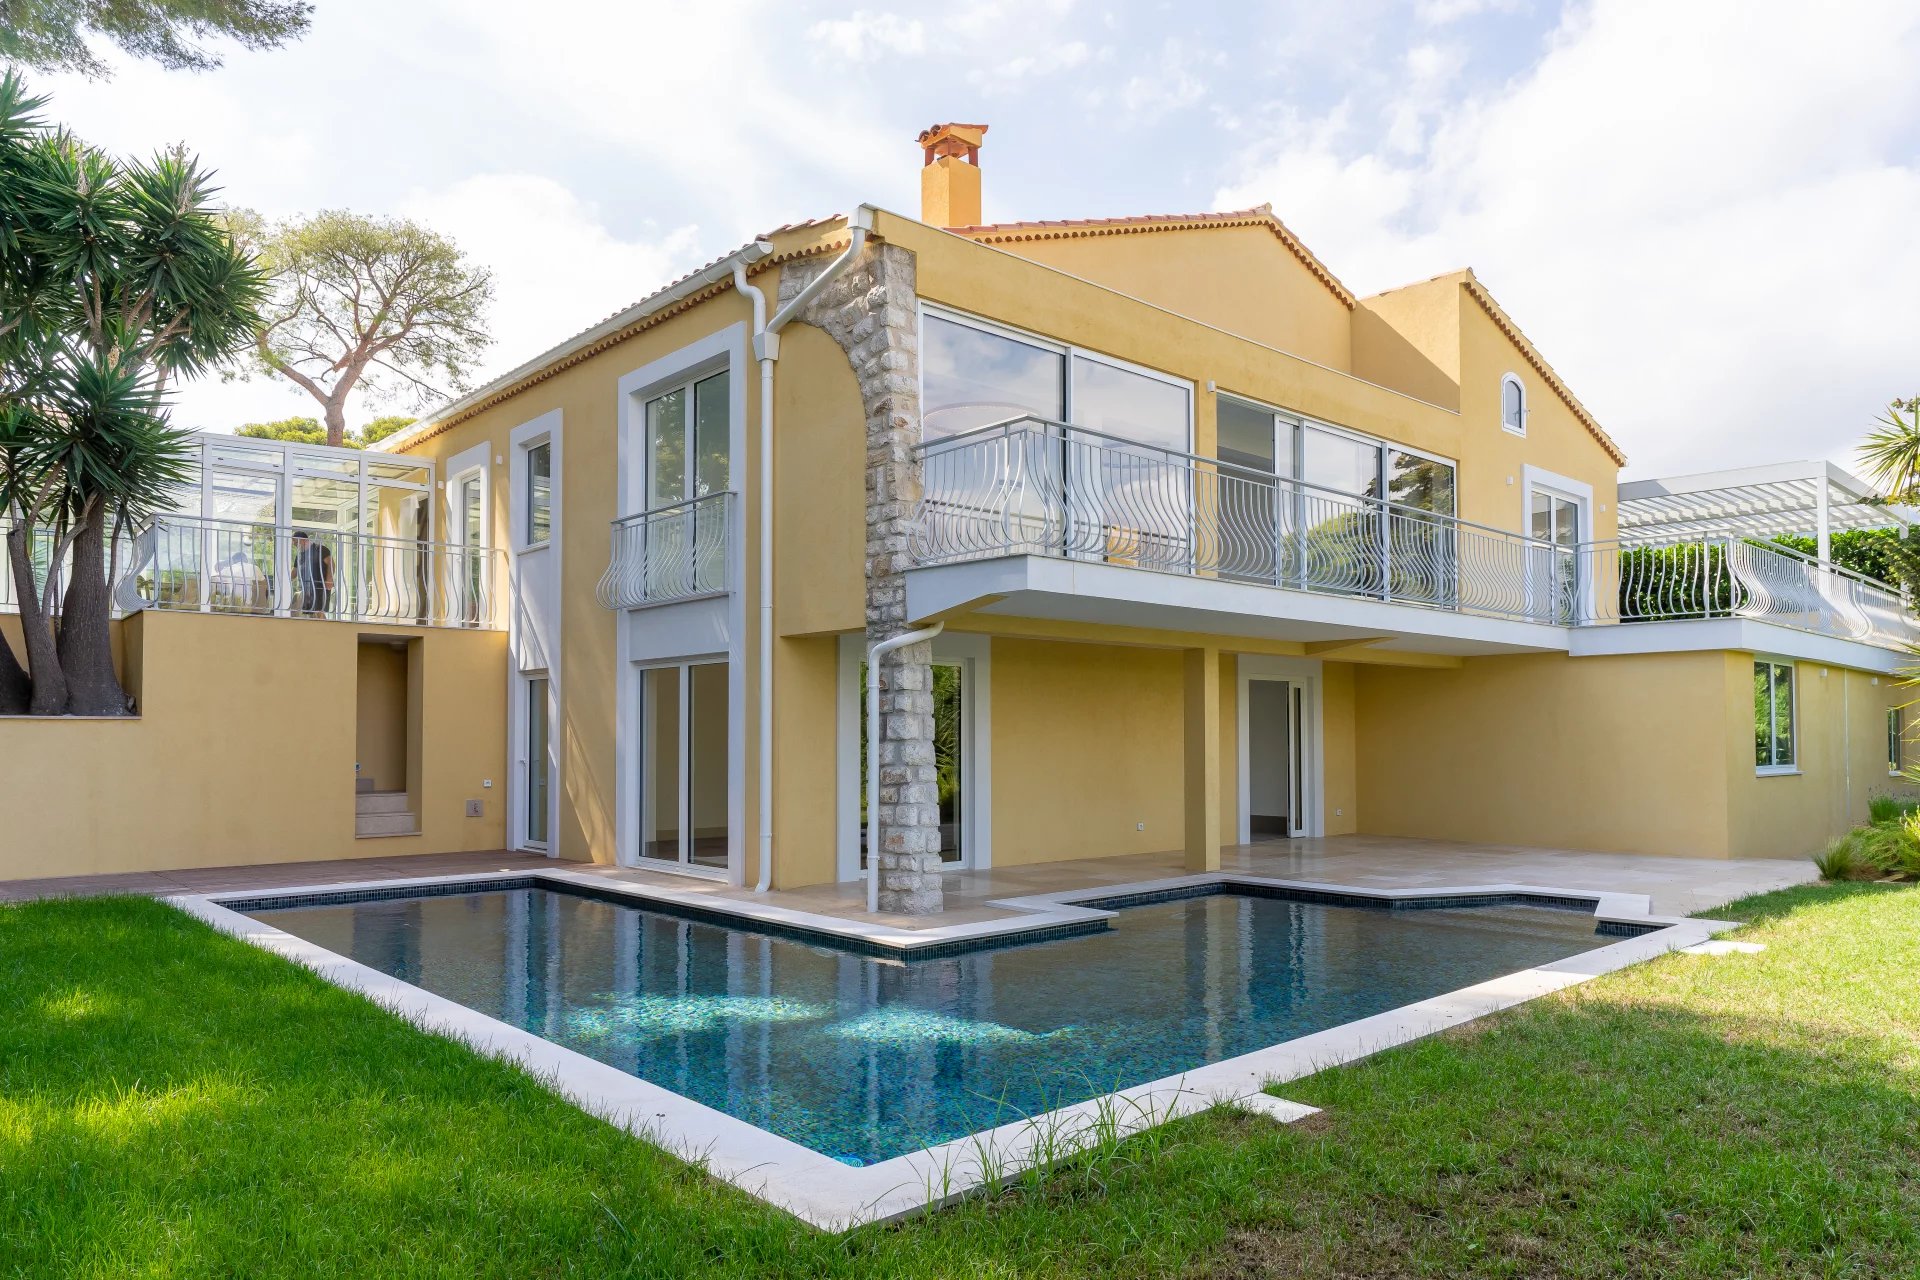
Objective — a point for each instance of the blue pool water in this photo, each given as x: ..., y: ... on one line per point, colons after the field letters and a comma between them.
x: 862, y: 1059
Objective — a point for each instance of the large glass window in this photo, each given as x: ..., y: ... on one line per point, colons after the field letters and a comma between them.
x: 1121, y: 402
x: 1773, y: 716
x: 539, y: 493
x: 972, y: 377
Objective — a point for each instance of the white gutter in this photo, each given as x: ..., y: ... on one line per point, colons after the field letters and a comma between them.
x: 766, y: 349
x: 874, y: 654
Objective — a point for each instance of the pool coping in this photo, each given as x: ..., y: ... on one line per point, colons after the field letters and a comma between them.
x: 828, y: 1194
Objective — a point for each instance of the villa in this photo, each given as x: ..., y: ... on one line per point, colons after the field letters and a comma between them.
x: 1193, y: 548
x: 849, y: 710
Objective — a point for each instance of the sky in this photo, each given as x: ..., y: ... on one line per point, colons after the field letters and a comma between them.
x: 1703, y: 213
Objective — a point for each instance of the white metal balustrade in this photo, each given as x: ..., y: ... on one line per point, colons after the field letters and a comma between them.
x: 192, y: 564
x: 1728, y: 577
x: 679, y: 552
x: 1029, y: 487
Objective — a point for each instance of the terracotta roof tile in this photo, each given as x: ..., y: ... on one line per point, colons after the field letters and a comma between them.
x: 1075, y: 228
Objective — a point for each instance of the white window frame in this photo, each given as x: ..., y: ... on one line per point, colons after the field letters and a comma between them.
x: 523, y: 721
x: 736, y: 729
x: 535, y: 616
x: 725, y: 348
x: 523, y: 472
x: 1066, y: 350
x: 974, y: 655
x: 1896, y: 743
x: 1791, y: 767
x: 1306, y: 674
x: 1513, y: 380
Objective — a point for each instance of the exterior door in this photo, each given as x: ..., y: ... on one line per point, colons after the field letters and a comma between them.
x: 1556, y: 521
x: 1276, y: 771
x: 684, y: 733
x: 539, y: 769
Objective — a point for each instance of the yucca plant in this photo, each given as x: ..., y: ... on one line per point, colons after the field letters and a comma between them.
x: 115, y: 279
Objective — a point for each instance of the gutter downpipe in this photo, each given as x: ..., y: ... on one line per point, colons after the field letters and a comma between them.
x: 766, y: 349
x: 876, y: 652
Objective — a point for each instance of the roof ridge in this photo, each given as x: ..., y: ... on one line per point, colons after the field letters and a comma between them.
x: 1072, y: 228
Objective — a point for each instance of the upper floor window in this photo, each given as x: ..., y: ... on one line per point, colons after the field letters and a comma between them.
x: 1513, y: 405
x: 539, y: 493
x: 688, y: 441
x: 975, y: 374
x: 1773, y: 716
x: 1263, y: 439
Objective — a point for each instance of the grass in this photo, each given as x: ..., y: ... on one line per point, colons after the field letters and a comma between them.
x: 173, y: 1102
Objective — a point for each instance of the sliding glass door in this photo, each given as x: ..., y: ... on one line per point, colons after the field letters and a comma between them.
x: 684, y: 731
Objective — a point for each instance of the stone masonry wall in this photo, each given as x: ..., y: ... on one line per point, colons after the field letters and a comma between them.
x: 869, y: 311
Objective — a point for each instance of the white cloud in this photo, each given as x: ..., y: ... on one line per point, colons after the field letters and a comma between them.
x: 1700, y: 217
x: 557, y: 268
x: 1439, y: 13
x: 867, y: 36
x: 1177, y: 79
x: 1030, y: 71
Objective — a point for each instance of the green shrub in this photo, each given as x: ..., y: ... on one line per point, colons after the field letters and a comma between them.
x: 1837, y: 861
x: 1885, y: 809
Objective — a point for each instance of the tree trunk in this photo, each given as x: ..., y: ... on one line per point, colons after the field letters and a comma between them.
x: 86, y: 645
x: 16, y: 690
x: 336, y: 414
x: 49, y: 696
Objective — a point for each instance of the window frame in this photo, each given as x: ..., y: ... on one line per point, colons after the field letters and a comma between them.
x: 1513, y: 380
x: 1896, y: 743
x: 1776, y: 767
x: 1297, y: 423
x: 527, y: 541
x: 1067, y: 352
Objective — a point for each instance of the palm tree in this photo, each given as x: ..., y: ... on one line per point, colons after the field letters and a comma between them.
x: 115, y: 278
x: 1891, y: 450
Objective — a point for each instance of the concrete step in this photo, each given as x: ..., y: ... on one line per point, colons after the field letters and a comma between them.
x: 380, y: 802
x: 384, y: 824
x: 363, y: 784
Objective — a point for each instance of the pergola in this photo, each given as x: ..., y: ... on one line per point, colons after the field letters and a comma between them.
x: 1806, y: 498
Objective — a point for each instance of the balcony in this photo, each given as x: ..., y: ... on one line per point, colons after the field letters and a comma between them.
x: 673, y: 553
x: 1029, y: 488
x: 192, y: 564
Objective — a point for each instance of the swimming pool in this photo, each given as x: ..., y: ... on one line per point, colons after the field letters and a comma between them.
x: 864, y: 1058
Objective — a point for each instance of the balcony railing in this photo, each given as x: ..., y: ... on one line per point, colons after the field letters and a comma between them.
x: 1029, y: 487
x: 1728, y: 577
x: 192, y: 564
x: 679, y: 552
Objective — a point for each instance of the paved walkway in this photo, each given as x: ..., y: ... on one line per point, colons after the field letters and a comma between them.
x: 1678, y: 886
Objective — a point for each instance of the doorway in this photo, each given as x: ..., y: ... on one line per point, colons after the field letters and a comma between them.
x: 684, y: 730
x: 1276, y: 769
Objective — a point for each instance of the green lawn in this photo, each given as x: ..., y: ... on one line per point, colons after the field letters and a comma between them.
x: 173, y: 1102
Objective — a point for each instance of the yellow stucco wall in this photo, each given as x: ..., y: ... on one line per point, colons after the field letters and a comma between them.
x: 244, y: 752
x: 1841, y: 756
x: 1264, y: 291
x: 1645, y: 753
x: 1615, y: 753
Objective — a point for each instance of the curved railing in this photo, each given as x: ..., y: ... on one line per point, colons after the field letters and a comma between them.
x: 670, y: 553
x: 194, y: 564
x: 1728, y: 577
x: 1029, y: 487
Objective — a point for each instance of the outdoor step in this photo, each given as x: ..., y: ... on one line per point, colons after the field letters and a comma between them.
x: 363, y: 784
x: 384, y: 824
x: 380, y: 802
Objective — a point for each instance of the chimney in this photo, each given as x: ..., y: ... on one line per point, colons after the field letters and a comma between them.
x: 950, y: 182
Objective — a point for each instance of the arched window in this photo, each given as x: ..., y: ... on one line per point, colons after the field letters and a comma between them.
x: 1513, y: 405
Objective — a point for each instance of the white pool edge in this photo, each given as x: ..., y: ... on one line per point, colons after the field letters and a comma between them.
x: 828, y: 1194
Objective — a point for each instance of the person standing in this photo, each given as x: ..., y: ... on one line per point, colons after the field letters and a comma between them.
x: 313, y: 575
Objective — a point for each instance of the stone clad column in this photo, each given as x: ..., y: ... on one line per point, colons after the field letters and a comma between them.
x: 869, y: 311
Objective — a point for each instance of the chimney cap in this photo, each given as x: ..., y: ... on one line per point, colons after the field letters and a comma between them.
x: 952, y: 139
